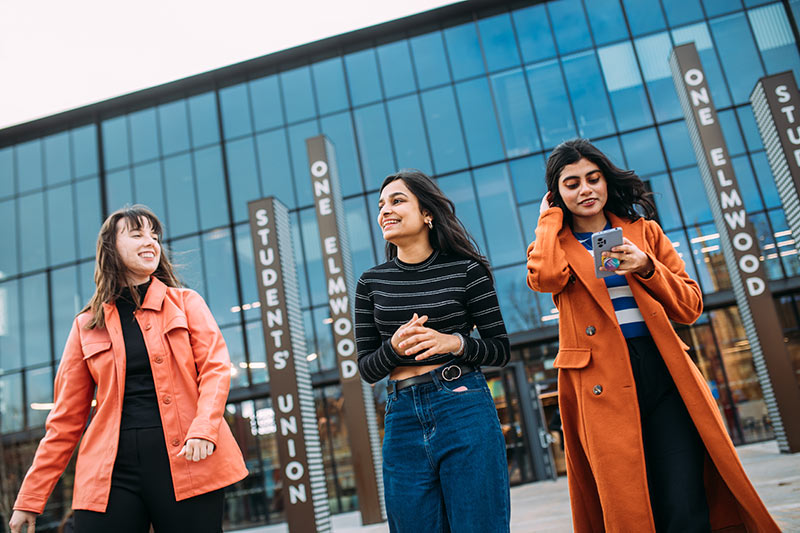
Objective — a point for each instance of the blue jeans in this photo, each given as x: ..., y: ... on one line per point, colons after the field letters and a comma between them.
x: 444, y: 459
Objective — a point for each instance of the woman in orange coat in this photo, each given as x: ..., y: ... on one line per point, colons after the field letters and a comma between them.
x: 646, y: 447
x: 157, y: 450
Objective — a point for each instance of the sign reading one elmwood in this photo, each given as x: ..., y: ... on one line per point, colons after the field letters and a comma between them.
x: 305, y: 494
x: 740, y: 248
x: 776, y: 106
x: 358, y: 405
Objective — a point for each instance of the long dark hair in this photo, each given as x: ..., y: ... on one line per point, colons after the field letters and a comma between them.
x: 625, y: 189
x: 448, y: 233
x: 109, y: 270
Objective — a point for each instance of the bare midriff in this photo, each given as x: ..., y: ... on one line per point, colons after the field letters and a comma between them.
x: 405, y: 372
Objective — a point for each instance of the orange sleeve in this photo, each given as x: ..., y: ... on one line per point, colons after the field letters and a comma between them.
x: 548, y: 270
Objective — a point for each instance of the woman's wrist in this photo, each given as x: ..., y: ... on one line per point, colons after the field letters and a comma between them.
x: 461, y: 344
x: 648, y: 270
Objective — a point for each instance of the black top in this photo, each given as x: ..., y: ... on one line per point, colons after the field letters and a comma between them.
x: 455, y: 293
x: 140, y: 404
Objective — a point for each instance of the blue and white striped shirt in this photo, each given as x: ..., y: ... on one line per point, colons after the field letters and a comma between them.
x: 629, y: 318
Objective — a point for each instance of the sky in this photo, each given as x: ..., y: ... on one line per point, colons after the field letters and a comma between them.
x: 57, y: 55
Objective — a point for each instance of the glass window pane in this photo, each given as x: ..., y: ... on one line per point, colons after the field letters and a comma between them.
x: 611, y: 147
x: 766, y: 181
x: 212, y: 196
x: 775, y: 39
x: 35, y: 324
x: 459, y: 189
x: 464, y: 51
x: 265, y: 95
x: 173, y: 120
x: 67, y: 303
x: 203, y: 118
x: 408, y: 134
x: 786, y: 248
x: 664, y: 197
x: 313, y: 257
x: 39, y: 389
x: 243, y: 174
x: 33, y: 243
x: 86, y: 280
x: 330, y: 85
x: 29, y: 166
x: 374, y: 144
x: 533, y: 33
x: 326, y: 355
x: 740, y: 60
x: 181, y: 203
x: 247, y: 273
x: 644, y: 17
x: 499, y: 45
x: 258, y: 352
x: 7, y: 171
x: 144, y: 135
x: 89, y: 217
x: 569, y: 25
x: 185, y: 255
x: 57, y: 163
x: 607, y: 21
x: 235, y: 343
x: 60, y: 223
x: 677, y: 144
x: 712, y: 272
x: 643, y: 152
x: 529, y: 216
x: 522, y: 308
x: 748, y: 123
x: 766, y: 245
x: 653, y: 52
x: 528, y: 177
x: 682, y: 11
x: 520, y: 133
x: 396, y: 69
x: 299, y: 154
x: 480, y: 122
x: 339, y: 129
x: 444, y: 130
x: 494, y: 196
x: 299, y: 261
x: 719, y: 7
x: 221, y: 295
x: 692, y: 198
x: 276, y: 172
x: 115, y: 142
x: 118, y: 189
x: 362, y: 77
x: 359, y: 236
x: 234, y: 102
x: 551, y: 103
x: 11, y: 403
x: 586, y: 89
x: 11, y: 339
x: 678, y: 238
x: 430, y: 60
x: 297, y: 94
x: 699, y: 35
x: 8, y: 239
x: 84, y: 150
x: 148, y: 187
x: 731, y: 132
x: 624, y: 83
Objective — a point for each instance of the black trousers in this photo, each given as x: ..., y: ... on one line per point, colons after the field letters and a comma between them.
x: 673, y: 451
x: 142, y: 494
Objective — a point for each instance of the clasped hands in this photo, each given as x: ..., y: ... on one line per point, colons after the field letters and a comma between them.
x: 414, y: 339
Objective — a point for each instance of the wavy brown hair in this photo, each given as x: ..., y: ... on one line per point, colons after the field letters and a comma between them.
x: 110, y: 272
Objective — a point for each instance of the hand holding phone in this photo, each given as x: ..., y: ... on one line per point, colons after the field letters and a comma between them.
x: 602, y: 243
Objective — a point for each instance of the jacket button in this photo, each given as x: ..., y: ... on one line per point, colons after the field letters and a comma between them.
x: 590, y: 330
x: 148, y: 326
x: 159, y: 359
x: 167, y: 400
x: 176, y: 442
x: 597, y: 390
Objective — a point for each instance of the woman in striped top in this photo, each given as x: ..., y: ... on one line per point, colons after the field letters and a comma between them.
x: 640, y: 425
x: 444, y: 464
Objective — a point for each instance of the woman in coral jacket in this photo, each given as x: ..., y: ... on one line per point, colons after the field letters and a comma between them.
x: 157, y: 450
x: 646, y: 447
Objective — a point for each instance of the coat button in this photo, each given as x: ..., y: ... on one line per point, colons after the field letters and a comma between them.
x: 597, y: 390
x: 176, y: 442
x: 159, y: 359
x: 148, y: 326
x: 167, y: 400
x: 590, y: 330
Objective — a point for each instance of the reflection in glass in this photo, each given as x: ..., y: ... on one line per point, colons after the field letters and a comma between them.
x: 362, y: 77
x: 588, y: 96
x: 258, y: 352
x: 527, y: 174
x: 66, y: 304
x: 374, y: 145
x: 11, y: 402
x: 775, y: 39
x: 682, y: 11
x: 10, y: 326
x: 173, y: 121
x: 664, y: 197
x: 607, y: 21
x: 35, y: 324
x: 149, y: 187
x: 38, y: 390
x: 221, y: 295
x: 235, y: 106
x: 643, y: 152
x: 265, y: 95
x: 700, y: 36
x: 57, y: 162
x: 235, y: 343
x: 785, y: 245
x: 32, y: 240
x: 276, y: 173
x: 115, y: 143
x: 497, y: 37
x: 408, y: 133
x: 297, y: 147
x: 397, y: 72
x: 331, y: 88
x: 551, y: 102
x: 339, y: 129
x: 624, y: 84
x: 494, y: 196
x: 212, y: 196
x: 185, y: 255
x: 653, y: 52
x: 707, y: 254
x: 203, y: 119
x: 677, y: 144
x: 429, y: 59
x: 643, y: 17
x: 243, y: 175
x: 511, y: 97
x: 533, y: 33
x: 441, y: 117
x: 60, y: 224
x: 692, y: 196
x: 298, y: 97
x: 464, y: 51
x: 29, y: 165
x: 144, y: 135
x: 480, y: 122
x: 569, y: 25
x: 459, y: 189
x: 88, y: 216
x: 181, y: 201
x: 84, y: 150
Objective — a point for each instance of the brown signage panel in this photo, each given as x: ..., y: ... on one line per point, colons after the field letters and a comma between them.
x: 776, y: 106
x: 305, y: 492
x: 740, y: 248
x: 359, y: 405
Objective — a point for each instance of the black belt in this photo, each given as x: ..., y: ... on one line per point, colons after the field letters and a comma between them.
x: 446, y: 373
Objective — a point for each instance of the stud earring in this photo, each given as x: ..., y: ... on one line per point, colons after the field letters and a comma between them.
x: 430, y: 224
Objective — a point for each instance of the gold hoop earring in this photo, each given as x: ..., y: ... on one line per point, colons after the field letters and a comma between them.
x: 430, y: 224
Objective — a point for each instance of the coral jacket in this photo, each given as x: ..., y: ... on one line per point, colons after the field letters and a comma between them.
x: 602, y: 432
x: 191, y: 371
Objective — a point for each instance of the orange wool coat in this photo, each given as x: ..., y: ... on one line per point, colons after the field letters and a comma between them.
x: 605, y: 459
x: 191, y: 371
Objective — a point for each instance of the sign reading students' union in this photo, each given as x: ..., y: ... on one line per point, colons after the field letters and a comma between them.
x: 740, y: 248
x: 358, y: 405
x: 305, y: 493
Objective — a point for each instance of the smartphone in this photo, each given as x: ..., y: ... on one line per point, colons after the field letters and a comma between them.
x: 602, y: 243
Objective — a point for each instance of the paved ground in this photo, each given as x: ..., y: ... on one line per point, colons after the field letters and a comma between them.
x: 544, y: 506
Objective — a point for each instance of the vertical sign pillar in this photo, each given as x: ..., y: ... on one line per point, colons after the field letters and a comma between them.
x: 776, y: 106
x: 305, y: 493
x: 359, y: 405
x: 740, y: 248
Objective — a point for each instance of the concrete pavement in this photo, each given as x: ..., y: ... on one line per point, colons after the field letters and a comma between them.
x: 544, y: 506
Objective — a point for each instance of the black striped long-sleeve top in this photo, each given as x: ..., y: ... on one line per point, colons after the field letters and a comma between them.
x: 456, y: 293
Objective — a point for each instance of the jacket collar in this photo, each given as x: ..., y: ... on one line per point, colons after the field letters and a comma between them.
x: 153, y: 300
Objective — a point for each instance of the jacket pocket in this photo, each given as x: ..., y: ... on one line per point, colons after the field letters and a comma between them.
x: 180, y: 343
x: 573, y: 358
x: 94, y: 348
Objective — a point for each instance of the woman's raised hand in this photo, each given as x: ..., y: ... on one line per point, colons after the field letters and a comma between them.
x: 631, y: 259
x: 19, y: 519
x: 197, y: 449
x: 546, y: 202
x: 413, y: 338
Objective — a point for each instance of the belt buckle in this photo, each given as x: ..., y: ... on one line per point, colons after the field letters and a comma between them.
x: 445, y: 375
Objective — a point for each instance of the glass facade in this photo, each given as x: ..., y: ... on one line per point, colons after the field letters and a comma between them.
x: 478, y: 105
